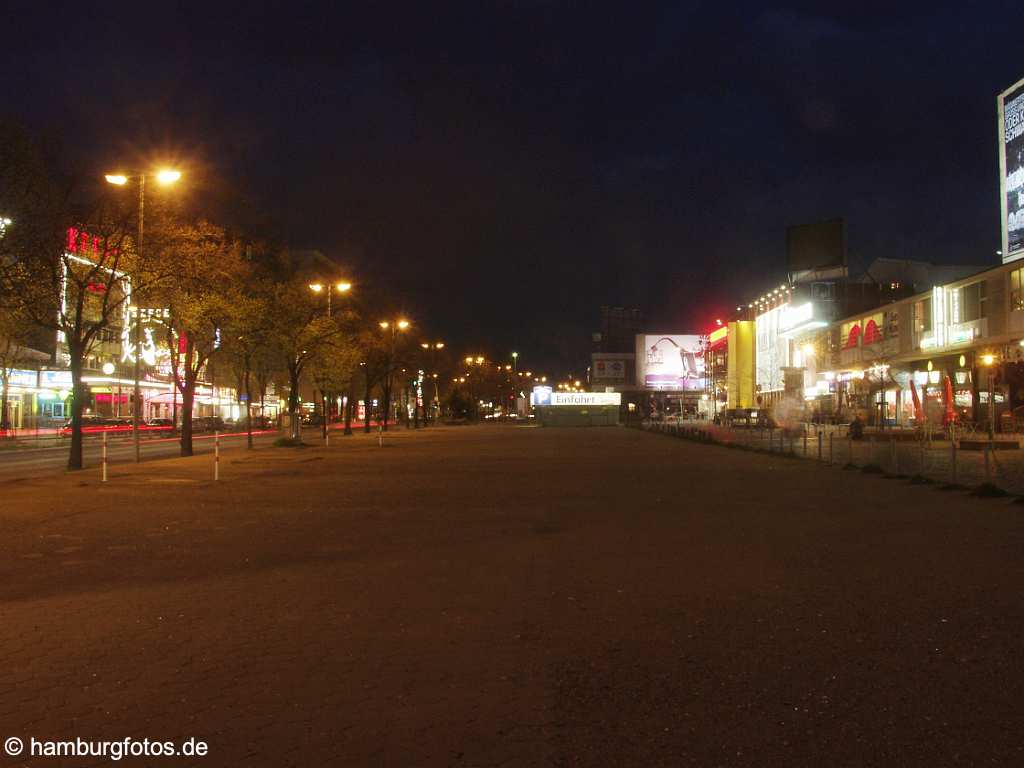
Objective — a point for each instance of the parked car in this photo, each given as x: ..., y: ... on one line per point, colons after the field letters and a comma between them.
x: 92, y: 422
x: 160, y: 423
x: 312, y: 420
x: 208, y: 424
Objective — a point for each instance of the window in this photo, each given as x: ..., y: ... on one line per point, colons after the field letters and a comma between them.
x: 892, y: 323
x: 1016, y: 296
x: 872, y: 327
x: 851, y: 333
x: 923, y: 316
x: 973, y: 301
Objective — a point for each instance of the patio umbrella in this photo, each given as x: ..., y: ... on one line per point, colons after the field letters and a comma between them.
x: 950, y: 413
x: 917, y: 402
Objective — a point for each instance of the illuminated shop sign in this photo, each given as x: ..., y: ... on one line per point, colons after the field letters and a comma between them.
x: 799, y: 318
x: 55, y: 379
x: 22, y: 378
x: 586, y: 398
x: 540, y: 396
x: 718, y: 335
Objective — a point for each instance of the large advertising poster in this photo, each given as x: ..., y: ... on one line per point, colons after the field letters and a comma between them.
x: 772, y: 350
x: 611, y: 370
x: 1011, y: 166
x: 673, y: 362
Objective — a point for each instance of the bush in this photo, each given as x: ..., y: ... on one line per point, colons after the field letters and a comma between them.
x: 871, y: 469
x: 288, y: 442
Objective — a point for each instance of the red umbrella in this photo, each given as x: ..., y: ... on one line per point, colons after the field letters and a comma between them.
x: 917, y: 401
x: 950, y: 413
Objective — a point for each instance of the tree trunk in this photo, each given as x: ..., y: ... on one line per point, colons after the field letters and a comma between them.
x: 77, y: 404
x: 5, y: 421
x: 293, y: 403
x: 348, y: 409
x: 187, y: 403
x: 325, y: 396
x: 366, y: 407
x: 248, y: 407
x: 386, y: 400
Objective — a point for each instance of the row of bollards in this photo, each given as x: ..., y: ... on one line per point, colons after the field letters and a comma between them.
x: 216, y: 457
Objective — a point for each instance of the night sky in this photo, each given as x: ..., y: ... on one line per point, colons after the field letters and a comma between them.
x: 501, y: 169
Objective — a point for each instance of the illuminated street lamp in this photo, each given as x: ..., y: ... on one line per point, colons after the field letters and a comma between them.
x: 988, y: 360
x: 341, y: 286
x: 164, y: 176
x: 434, y: 348
x: 394, y: 326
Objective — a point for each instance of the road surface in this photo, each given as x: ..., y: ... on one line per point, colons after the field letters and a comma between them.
x: 513, y: 596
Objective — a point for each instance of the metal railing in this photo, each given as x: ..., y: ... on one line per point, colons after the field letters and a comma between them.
x: 919, y: 456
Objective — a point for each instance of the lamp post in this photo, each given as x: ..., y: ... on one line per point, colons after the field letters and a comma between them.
x: 989, y: 361
x: 341, y: 286
x: 394, y: 326
x: 165, y: 177
x: 433, y: 347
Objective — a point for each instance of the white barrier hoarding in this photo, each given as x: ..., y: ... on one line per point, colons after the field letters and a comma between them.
x: 772, y: 349
x: 1011, y: 170
x: 672, y: 362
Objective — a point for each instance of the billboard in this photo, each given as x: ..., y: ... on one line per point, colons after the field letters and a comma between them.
x: 812, y: 247
x: 772, y: 349
x: 672, y: 362
x: 1011, y: 170
x: 609, y: 370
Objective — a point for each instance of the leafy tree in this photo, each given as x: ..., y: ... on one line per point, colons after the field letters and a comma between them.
x: 246, y: 336
x: 68, y: 260
x: 299, y: 330
x: 208, y: 264
x: 15, y: 334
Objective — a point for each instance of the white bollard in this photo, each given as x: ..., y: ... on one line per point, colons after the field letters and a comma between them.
x: 104, y: 457
x: 216, y: 456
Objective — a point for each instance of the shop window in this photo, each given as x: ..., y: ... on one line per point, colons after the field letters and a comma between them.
x: 1016, y: 295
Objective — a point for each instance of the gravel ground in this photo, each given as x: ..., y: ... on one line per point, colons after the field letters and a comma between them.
x: 513, y: 596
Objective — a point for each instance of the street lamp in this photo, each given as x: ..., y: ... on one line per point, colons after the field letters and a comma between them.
x: 434, y: 348
x: 164, y: 176
x: 394, y: 326
x: 341, y: 286
x: 989, y: 360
